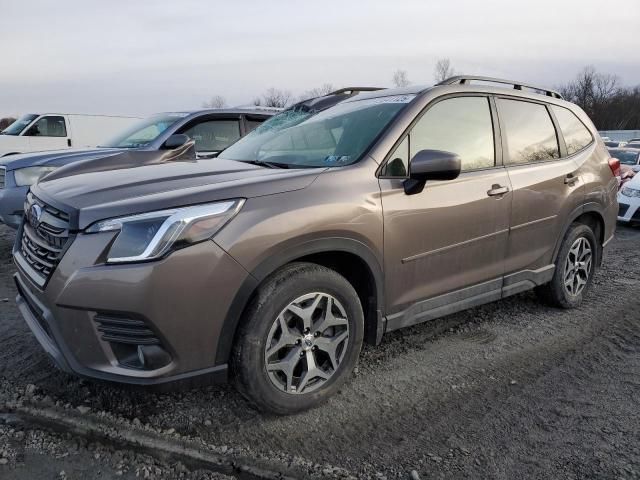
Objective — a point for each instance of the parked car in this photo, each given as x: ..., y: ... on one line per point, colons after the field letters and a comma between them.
x: 212, y: 130
x: 627, y: 156
x: 633, y: 144
x: 54, y: 131
x: 315, y: 232
x: 629, y: 201
x: 611, y: 144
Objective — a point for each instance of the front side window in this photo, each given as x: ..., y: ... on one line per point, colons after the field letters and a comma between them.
x: 334, y: 137
x: 576, y: 135
x: 19, y: 125
x: 51, y: 126
x: 251, y: 123
x: 531, y: 136
x: 144, y: 132
x: 459, y: 125
x: 214, y: 135
x: 398, y: 164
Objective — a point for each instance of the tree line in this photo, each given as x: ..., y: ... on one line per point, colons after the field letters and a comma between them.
x: 609, y: 104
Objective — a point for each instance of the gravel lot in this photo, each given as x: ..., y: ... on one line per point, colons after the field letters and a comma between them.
x: 509, y: 390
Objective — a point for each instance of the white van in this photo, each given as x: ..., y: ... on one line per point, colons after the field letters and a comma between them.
x: 56, y: 131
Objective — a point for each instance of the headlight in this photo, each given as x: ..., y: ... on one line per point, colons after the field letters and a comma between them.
x: 30, y: 175
x: 151, y: 235
x: 630, y: 192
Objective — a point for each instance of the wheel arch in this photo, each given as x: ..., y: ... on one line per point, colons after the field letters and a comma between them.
x: 592, y: 215
x: 351, y: 258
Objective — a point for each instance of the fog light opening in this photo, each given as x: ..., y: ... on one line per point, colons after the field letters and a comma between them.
x: 152, y: 357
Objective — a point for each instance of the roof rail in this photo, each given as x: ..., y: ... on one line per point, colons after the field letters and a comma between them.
x: 355, y: 89
x: 462, y: 79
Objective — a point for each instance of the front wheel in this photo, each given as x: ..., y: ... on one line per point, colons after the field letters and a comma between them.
x: 300, y: 339
x: 575, y: 267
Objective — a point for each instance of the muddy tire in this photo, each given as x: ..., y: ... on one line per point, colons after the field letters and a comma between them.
x: 299, y: 340
x: 575, y: 267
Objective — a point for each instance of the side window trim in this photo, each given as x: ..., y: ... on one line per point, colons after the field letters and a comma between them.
x: 497, y: 148
x: 553, y: 121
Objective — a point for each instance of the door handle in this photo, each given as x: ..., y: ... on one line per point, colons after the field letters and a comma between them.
x: 570, y: 179
x: 497, y: 190
x: 68, y: 142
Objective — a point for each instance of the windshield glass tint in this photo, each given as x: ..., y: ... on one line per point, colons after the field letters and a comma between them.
x: 144, y: 132
x: 626, y: 158
x: 334, y: 137
x: 18, y: 126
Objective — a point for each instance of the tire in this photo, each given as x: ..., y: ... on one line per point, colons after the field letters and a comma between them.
x: 299, y: 370
x: 556, y: 293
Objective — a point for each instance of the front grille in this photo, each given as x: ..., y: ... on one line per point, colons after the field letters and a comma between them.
x: 622, y: 209
x: 3, y: 174
x: 45, y: 234
x: 125, y: 330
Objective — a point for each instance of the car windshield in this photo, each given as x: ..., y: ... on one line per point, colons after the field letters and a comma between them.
x: 145, y: 131
x: 337, y: 136
x: 19, y: 125
x: 626, y: 157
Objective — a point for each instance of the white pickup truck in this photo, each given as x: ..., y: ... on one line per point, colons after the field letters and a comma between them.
x: 56, y: 131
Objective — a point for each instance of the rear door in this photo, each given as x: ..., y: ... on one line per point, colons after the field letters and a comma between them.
x: 213, y: 135
x: 546, y: 188
x: 453, y: 234
x: 49, y: 132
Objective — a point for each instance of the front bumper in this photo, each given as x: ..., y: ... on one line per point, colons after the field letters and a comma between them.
x: 12, y: 204
x: 629, y: 209
x: 180, y: 302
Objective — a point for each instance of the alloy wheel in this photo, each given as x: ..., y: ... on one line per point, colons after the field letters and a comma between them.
x: 578, y: 266
x: 306, y: 343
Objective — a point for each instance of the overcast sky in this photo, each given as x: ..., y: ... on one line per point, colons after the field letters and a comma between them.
x: 144, y: 56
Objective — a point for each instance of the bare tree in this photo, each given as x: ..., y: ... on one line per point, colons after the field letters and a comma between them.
x: 324, y: 89
x: 5, y: 122
x: 401, y: 78
x: 443, y: 70
x: 217, y: 101
x: 274, y: 97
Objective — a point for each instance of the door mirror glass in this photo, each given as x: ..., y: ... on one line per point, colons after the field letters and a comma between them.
x: 434, y: 165
x: 175, y: 141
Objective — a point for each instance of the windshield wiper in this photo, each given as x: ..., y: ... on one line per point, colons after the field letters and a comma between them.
x: 263, y: 163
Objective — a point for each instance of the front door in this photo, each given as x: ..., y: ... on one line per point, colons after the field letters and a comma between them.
x: 48, y: 133
x: 446, y: 245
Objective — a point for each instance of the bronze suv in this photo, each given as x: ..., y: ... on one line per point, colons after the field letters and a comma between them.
x: 337, y: 220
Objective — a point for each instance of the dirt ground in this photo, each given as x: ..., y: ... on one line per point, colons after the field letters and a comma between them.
x: 510, y: 390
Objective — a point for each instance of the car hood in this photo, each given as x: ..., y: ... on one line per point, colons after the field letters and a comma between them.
x: 158, y: 184
x: 54, y: 157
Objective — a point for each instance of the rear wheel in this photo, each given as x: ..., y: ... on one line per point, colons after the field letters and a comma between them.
x: 575, y: 267
x: 300, y: 339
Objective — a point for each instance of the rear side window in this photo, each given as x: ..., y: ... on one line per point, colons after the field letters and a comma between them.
x: 460, y: 125
x: 531, y: 136
x: 48, y: 127
x: 576, y: 135
x: 214, y: 135
x: 251, y: 123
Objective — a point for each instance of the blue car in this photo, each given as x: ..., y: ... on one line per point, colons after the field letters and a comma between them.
x: 212, y: 131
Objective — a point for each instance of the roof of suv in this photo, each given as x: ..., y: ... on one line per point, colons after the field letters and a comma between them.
x: 465, y: 81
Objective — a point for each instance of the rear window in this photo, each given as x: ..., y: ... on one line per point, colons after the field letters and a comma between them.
x: 576, y: 135
x: 531, y: 136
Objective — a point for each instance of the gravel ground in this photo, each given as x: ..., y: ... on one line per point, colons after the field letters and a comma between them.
x: 512, y: 389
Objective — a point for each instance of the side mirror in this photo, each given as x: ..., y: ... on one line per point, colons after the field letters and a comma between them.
x: 175, y: 141
x: 431, y: 165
